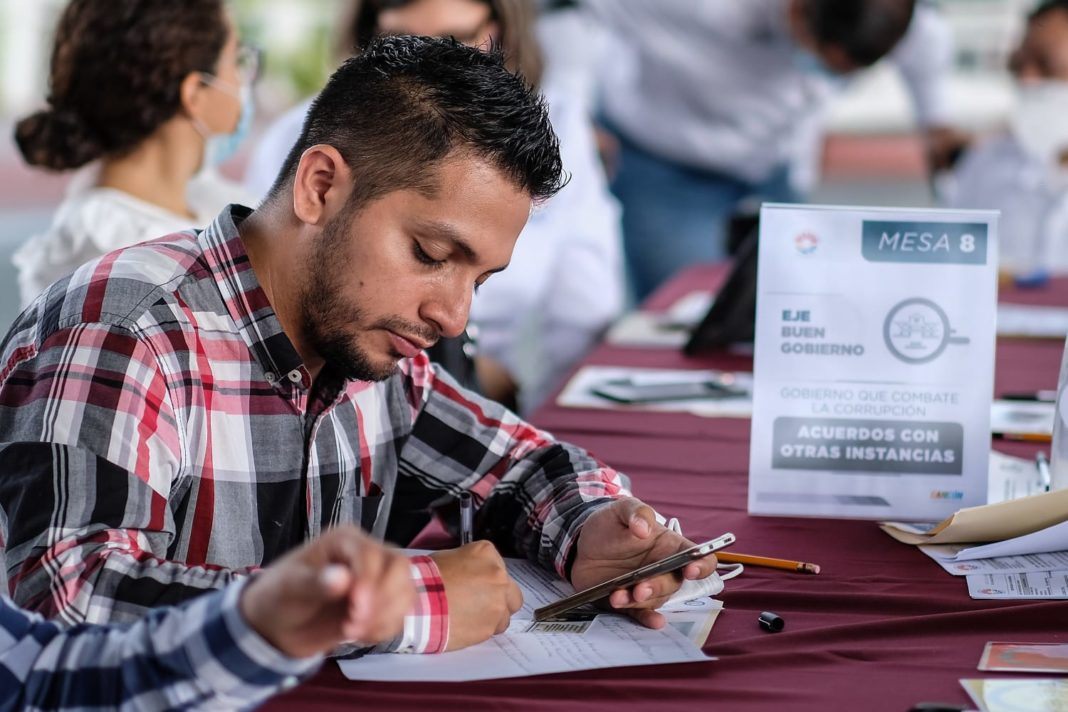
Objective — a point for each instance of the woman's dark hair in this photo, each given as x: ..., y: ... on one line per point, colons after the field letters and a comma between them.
x: 514, y: 17
x: 404, y: 104
x: 116, y: 75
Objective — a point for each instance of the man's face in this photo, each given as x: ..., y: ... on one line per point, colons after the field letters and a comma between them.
x: 392, y: 277
x: 1043, y: 53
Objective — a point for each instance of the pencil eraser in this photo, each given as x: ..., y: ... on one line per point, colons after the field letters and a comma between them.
x: 771, y: 622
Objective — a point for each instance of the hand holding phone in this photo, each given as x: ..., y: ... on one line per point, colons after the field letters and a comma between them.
x: 666, y: 565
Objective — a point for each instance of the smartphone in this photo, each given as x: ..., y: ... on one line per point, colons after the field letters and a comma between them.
x: 627, y: 391
x: 601, y: 590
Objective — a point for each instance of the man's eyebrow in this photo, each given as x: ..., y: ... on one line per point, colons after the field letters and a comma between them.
x: 448, y: 232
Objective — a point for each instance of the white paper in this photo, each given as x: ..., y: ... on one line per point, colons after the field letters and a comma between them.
x: 1033, y: 585
x: 1030, y: 694
x: 874, y: 361
x: 1011, y: 478
x: 611, y: 641
x: 668, y: 329
x: 1032, y: 321
x: 1009, y: 417
x: 1050, y: 539
x: 577, y: 393
x: 1023, y: 563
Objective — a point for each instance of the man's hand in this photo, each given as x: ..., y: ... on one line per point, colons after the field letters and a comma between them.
x: 343, y: 586
x: 482, y: 596
x: 619, y: 538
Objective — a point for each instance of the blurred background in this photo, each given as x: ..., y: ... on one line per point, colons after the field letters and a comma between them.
x: 869, y: 155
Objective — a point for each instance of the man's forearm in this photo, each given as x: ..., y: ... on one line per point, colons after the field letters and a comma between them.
x: 200, y: 655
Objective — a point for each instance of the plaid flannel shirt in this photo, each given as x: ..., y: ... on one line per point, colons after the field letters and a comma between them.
x: 200, y: 656
x: 159, y: 436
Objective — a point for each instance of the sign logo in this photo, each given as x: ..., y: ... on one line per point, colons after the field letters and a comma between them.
x: 806, y: 243
x: 917, y: 331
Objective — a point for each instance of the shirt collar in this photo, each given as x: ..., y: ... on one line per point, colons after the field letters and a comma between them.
x: 247, y: 303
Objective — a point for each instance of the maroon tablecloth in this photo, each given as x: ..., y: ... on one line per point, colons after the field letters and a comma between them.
x: 882, y: 627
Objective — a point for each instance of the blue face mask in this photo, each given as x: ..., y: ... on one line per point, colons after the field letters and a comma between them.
x: 218, y: 148
x: 808, y: 62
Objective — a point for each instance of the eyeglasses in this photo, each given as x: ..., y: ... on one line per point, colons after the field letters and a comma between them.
x: 249, y: 62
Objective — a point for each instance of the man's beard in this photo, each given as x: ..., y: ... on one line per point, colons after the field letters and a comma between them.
x: 328, y: 316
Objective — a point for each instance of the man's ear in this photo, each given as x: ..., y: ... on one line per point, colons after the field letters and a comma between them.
x: 321, y: 185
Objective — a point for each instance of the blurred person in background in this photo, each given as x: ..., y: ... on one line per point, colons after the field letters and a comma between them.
x: 713, y: 102
x: 565, y: 282
x: 229, y: 649
x: 1023, y: 171
x: 146, y: 97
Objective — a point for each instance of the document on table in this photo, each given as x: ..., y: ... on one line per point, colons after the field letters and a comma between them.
x: 578, y: 394
x: 1050, y: 540
x: 1021, y: 418
x: 1032, y: 321
x: 1032, y: 585
x: 668, y: 329
x: 990, y: 522
x: 526, y: 648
x: 1022, y: 563
x: 1011, y: 478
x: 1032, y: 694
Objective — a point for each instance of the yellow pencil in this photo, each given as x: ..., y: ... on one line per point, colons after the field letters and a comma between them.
x: 1028, y: 437
x: 730, y: 557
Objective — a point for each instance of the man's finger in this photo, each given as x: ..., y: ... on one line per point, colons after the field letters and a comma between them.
x: 335, y: 581
x: 636, y: 515
x: 648, y: 618
x: 701, y: 568
x: 514, y: 597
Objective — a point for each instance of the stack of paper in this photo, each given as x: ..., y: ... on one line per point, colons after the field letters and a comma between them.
x: 529, y: 648
x: 1024, y: 553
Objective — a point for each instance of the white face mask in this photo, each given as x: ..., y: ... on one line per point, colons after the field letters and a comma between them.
x: 1040, y: 121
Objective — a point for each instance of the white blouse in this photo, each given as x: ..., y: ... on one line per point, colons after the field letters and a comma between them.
x: 92, y: 221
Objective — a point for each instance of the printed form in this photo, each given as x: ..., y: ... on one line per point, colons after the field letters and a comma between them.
x: 529, y: 648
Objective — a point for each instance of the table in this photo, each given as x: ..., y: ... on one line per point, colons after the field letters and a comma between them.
x: 882, y: 627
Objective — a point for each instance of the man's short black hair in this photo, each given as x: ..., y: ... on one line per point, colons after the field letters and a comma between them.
x: 404, y: 103
x: 866, y: 30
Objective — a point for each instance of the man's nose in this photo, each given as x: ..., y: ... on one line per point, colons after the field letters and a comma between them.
x: 450, y: 308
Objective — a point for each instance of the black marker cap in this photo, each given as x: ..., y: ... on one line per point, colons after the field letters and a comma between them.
x: 771, y: 622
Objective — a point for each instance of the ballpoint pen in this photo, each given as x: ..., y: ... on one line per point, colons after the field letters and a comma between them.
x: 1042, y: 463
x: 467, y: 518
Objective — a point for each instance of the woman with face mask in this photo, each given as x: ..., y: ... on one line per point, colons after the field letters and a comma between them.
x: 1023, y: 171
x: 145, y: 97
x: 564, y: 284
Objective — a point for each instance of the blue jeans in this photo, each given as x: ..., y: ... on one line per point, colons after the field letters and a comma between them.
x: 675, y: 216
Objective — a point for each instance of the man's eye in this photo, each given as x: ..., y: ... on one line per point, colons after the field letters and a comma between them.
x: 422, y: 256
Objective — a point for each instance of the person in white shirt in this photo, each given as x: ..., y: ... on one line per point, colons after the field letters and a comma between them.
x: 1023, y: 171
x: 565, y: 282
x: 715, y: 101
x: 145, y: 122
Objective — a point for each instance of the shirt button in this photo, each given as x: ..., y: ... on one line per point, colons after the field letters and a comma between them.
x: 289, y: 682
x: 294, y: 376
x: 271, y: 376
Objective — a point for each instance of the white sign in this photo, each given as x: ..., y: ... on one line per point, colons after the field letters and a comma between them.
x: 873, y: 361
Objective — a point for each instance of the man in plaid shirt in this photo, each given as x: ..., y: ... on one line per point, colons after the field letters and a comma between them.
x: 230, y: 649
x: 178, y: 413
